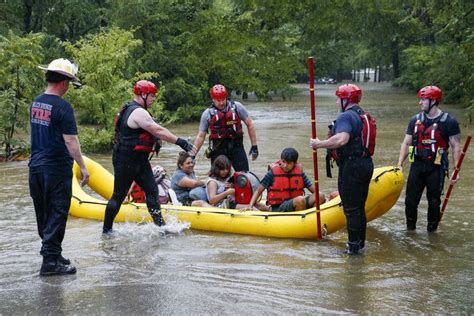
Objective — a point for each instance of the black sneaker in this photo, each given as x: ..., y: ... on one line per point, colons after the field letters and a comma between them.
x: 48, y: 269
x: 157, y: 217
x: 353, y: 248
x: 411, y: 227
x: 63, y: 260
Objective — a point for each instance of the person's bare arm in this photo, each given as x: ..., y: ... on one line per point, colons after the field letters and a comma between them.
x: 251, y: 130
x: 141, y: 118
x: 336, y: 141
x: 215, y: 198
x: 404, y: 150
x: 74, y: 148
x: 455, y: 143
x: 256, y: 195
x: 200, y: 138
x: 186, y: 182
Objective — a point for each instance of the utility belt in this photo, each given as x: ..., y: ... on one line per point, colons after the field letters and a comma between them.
x: 222, y: 145
x: 440, y: 157
x: 353, y: 157
x: 129, y: 152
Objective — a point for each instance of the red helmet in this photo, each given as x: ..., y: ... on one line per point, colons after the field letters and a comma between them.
x: 349, y: 91
x: 145, y: 86
x: 430, y: 92
x: 218, y: 92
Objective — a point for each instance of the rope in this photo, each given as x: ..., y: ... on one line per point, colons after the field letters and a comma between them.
x: 242, y: 213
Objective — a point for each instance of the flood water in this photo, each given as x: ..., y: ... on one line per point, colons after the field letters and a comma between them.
x: 141, y: 270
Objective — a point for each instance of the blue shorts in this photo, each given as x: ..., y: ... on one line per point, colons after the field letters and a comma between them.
x: 286, y: 206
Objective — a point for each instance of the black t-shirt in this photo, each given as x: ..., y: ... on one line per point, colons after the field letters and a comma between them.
x: 51, y: 117
x: 448, y: 128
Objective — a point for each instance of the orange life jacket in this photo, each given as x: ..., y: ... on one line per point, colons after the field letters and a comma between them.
x: 225, y: 123
x: 285, y: 185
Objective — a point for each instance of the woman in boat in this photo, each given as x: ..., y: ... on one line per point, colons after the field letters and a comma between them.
x: 184, y: 179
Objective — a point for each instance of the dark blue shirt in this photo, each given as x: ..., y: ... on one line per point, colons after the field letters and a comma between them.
x: 448, y: 128
x: 347, y: 122
x: 51, y: 117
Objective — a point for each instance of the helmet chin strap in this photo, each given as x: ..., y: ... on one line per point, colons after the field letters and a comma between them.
x: 144, y: 101
x: 430, y: 106
x: 344, y: 103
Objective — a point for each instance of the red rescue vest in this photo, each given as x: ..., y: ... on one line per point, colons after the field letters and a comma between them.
x: 225, y: 123
x: 427, y: 140
x: 285, y: 185
x: 243, y: 187
x: 137, y: 194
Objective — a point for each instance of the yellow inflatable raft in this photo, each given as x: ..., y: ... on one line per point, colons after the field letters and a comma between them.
x: 385, y: 188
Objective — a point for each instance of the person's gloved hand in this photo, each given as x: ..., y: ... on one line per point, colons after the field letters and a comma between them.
x: 185, y: 145
x: 253, y: 152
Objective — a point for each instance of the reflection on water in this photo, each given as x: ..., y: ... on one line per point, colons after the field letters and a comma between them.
x: 145, y: 269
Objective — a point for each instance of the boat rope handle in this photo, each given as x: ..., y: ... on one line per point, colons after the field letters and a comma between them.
x: 266, y: 216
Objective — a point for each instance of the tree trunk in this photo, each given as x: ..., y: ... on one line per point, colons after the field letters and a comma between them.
x: 8, y: 148
x: 27, y: 16
x: 395, y: 58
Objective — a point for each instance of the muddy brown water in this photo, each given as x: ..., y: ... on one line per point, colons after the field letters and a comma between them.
x: 143, y: 271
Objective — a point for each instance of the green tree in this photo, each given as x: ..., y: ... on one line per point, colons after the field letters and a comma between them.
x: 105, y: 68
x: 19, y: 82
x: 445, y: 55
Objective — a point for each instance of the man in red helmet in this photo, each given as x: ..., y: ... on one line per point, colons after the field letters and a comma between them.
x: 428, y: 137
x: 354, y: 162
x: 224, y: 120
x: 135, y: 136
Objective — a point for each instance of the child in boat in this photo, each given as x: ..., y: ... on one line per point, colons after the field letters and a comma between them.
x: 285, y: 183
x: 137, y: 195
x: 219, y: 187
x: 220, y: 192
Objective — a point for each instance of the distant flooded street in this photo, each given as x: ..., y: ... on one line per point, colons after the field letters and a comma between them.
x: 141, y: 270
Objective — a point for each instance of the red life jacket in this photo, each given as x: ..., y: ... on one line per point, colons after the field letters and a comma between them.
x: 225, y: 123
x: 362, y: 145
x: 138, y: 195
x: 426, y: 140
x: 285, y: 185
x: 243, y: 187
x: 136, y: 139
x: 159, y: 173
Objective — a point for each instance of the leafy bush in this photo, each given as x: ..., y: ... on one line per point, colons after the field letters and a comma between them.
x: 20, y: 80
x: 180, y: 94
x: 105, y: 68
x: 94, y: 140
x: 186, y: 114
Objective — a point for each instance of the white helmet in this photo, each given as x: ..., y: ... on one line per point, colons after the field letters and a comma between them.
x: 62, y: 66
